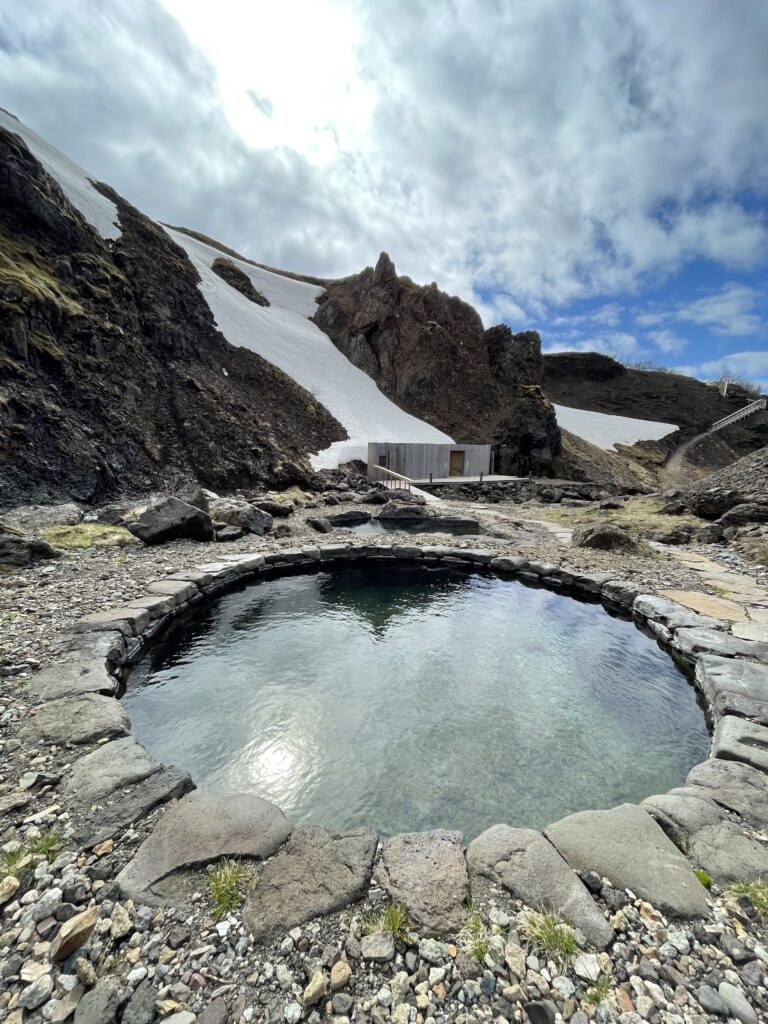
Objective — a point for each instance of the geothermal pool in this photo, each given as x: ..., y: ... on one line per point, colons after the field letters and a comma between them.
x: 409, y: 698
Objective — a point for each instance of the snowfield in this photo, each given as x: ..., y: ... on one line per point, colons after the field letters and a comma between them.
x: 606, y: 431
x: 283, y: 335
x: 100, y: 212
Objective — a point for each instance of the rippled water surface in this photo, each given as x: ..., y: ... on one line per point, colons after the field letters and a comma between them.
x: 415, y: 698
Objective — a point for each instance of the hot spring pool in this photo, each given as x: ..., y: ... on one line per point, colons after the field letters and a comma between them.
x: 409, y: 698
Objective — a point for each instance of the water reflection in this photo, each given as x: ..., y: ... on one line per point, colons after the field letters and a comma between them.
x: 415, y: 698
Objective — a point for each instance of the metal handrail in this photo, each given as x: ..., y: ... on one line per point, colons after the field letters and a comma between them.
x: 734, y: 417
x: 390, y: 482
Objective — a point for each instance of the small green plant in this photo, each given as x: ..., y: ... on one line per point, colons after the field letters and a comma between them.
x: 12, y: 861
x: 48, y: 844
x: 703, y: 877
x: 228, y: 884
x: 393, y: 917
x: 549, y: 936
x: 475, y: 937
x: 596, y: 993
x: 757, y: 892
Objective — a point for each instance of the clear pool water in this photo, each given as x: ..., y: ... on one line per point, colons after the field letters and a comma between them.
x: 415, y: 698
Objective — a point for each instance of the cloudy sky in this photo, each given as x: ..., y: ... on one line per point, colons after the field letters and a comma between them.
x: 595, y: 169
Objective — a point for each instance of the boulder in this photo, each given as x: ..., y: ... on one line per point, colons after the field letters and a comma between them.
x: 171, y: 519
x: 316, y: 873
x: 200, y: 828
x: 527, y: 440
x: 99, y: 1004
x: 350, y: 517
x: 403, y: 511
x: 34, y: 518
x: 24, y: 551
x: 713, y: 502
x: 84, y: 719
x: 277, y: 509
x: 692, y: 643
x: 603, y: 537
x: 626, y: 846
x: 740, y: 515
x: 241, y: 513
x: 426, y: 872
x: 531, y: 869
x: 319, y: 524
x: 227, y: 533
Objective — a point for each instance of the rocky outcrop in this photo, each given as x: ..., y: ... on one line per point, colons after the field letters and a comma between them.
x: 171, y: 519
x: 238, y: 279
x: 527, y: 441
x: 113, y: 374
x: 428, y: 351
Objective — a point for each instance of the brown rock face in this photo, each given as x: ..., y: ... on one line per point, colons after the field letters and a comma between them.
x: 238, y: 280
x: 428, y: 352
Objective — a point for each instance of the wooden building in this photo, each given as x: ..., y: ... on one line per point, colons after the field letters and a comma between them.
x: 430, y: 461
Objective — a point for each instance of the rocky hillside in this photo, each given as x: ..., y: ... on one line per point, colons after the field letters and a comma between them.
x: 112, y: 372
x: 589, y: 380
x: 428, y: 351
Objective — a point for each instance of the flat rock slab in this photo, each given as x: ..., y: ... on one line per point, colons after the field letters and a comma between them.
x: 735, y: 786
x: 125, y: 807
x: 738, y: 740
x: 706, y: 604
x: 531, y: 869
x: 670, y: 614
x: 427, y: 872
x: 200, y: 828
x: 750, y: 630
x: 113, y: 766
x: 627, y: 846
x: 71, y: 679
x: 84, y: 719
x: 316, y: 873
x: 692, y: 643
x: 734, y: 687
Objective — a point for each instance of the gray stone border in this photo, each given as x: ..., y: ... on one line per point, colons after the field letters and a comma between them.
x: 730, y: 674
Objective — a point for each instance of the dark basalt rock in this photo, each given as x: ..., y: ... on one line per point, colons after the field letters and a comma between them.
x: 100, y: 341
x: 23, y: 551
x: 171, y: 519
x: 238, y: 279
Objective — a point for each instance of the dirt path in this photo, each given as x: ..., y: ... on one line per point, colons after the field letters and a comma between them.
x: 673, y: 473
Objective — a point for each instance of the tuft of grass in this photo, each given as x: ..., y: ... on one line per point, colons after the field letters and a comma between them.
x: 12, y: 861
x: 757, y: 892
x: 228, y: 884
x: 475, y: 937
x: 703, y: 877
x: 549, y: 936
x: 88, y: 535
x: 596, y: 993
x: 393, y: 917
x: 49, y: 844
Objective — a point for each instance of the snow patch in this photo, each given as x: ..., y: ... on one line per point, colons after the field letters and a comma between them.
x: 283, y: 335
x: 100, y: 212
x: 607, y: 431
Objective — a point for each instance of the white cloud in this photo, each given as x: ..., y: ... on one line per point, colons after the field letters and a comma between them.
x: 751, y: 365
x: 667, y: 341
x: 730, y: 311
x: 544, y: 152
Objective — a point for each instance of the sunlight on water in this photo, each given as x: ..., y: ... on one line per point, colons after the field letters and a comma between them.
x: 415, y: 698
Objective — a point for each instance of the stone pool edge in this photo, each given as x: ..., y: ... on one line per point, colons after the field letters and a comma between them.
x: 638, y: 847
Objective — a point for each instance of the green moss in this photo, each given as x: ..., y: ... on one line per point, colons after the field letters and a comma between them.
x: 21, y: 264
x: 703, y: 877
x: 756, y: 891
x: 87, y: 535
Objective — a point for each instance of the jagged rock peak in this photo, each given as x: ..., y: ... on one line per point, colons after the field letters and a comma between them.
x: 515, y: 358
x: 384, y: 273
